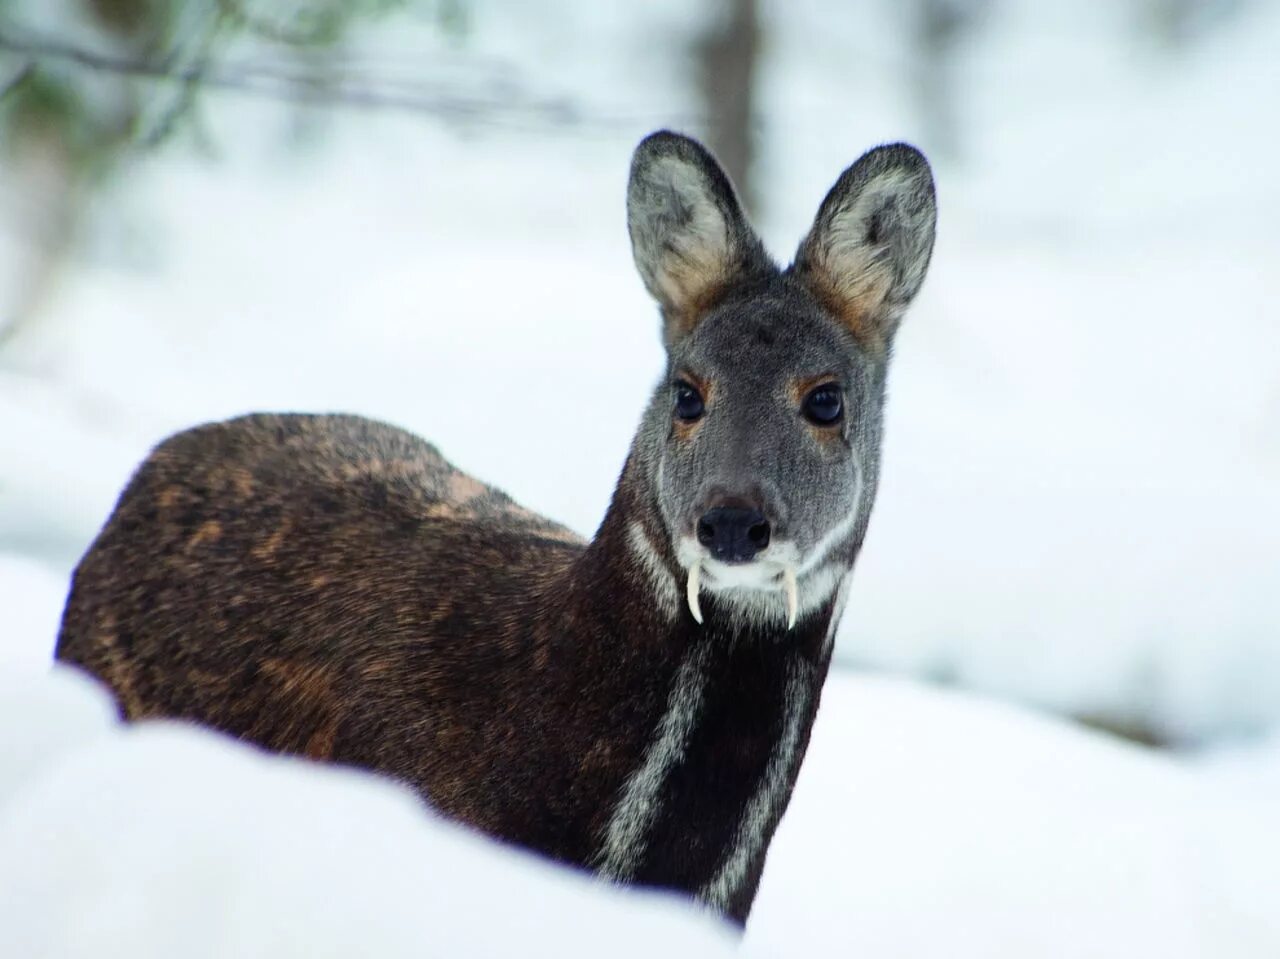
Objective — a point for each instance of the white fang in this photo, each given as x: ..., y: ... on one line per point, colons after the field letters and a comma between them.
x: 763, y: 807
x: 793, y: 595
x: 632, y: 818
x: 691, y: 591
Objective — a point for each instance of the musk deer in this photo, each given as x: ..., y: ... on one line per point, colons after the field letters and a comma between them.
x: 639, y: 704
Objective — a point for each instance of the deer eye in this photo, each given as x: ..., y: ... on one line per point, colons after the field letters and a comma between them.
x: 824, y: 405
x: 689, y: 405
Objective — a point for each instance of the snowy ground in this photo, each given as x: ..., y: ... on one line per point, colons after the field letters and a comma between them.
x: 166, y: 841
x: 1078, y: 509
x: 923, y: 821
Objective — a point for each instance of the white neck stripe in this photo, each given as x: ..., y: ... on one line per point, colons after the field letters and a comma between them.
x: 627, y: 833
x: 663, y: 585
x: 765, y: 803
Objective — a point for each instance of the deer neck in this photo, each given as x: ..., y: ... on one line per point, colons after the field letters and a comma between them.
x: 727, y: 707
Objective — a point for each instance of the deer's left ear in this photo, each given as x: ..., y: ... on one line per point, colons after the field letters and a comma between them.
x: 689, y: 236
x: 868, y: 251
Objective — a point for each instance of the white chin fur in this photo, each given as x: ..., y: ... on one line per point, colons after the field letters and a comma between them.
x: 776, y: 589
x: 719, y: 576
x: 755, y: 579
x: 765, y: 590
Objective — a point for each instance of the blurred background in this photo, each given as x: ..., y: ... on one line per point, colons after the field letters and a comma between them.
x: 413, y: 209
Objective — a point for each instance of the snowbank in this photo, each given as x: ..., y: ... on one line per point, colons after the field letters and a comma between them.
x: 924, y: 823
x: 1078, y: 507
x: 31, y: 599
x: 164, y: 840
x: 929, y: 824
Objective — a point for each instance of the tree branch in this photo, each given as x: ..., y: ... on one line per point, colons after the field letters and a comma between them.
x: 297, y: 84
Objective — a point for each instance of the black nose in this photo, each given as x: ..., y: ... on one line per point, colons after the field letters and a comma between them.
x: 733, y: 534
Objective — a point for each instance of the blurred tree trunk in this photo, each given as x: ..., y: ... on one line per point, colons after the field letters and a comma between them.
x: 43, y: 208
x: 727, y: 55
x: 939, y: 26
x: 1177, y: 23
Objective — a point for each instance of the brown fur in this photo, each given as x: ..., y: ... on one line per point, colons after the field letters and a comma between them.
x: 701, y: 291
x: 797, y: 390
x: 367, y: 604
x: 340, y: 603
x: 686, y: 430
x: 859, y: 308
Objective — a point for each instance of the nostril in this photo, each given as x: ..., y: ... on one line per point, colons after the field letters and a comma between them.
x: 733, y: 534
x: 759, y: 535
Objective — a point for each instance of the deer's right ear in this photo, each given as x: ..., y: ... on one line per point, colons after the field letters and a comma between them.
x: 689, y: 236
x: 869, y: 248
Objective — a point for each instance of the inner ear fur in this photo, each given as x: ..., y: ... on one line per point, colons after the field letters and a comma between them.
x: 868, y: 251
x: 689, y: 236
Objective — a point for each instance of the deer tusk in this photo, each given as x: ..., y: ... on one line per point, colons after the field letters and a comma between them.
x: 793, y: 595
x: 695, y: 572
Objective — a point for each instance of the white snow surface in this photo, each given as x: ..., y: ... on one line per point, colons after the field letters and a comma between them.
x: 924, y: 823
x: 1077, y: 510
x: 165, y: 840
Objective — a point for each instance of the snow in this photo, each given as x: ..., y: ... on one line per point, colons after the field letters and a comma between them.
x: 927, y: 820
x: 31, y: 598
x: 1077, y: 510
x: 164, y: 840
x: 922, y: 820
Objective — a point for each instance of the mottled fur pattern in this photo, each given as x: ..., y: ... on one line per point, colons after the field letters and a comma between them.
x: 332, y: 587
